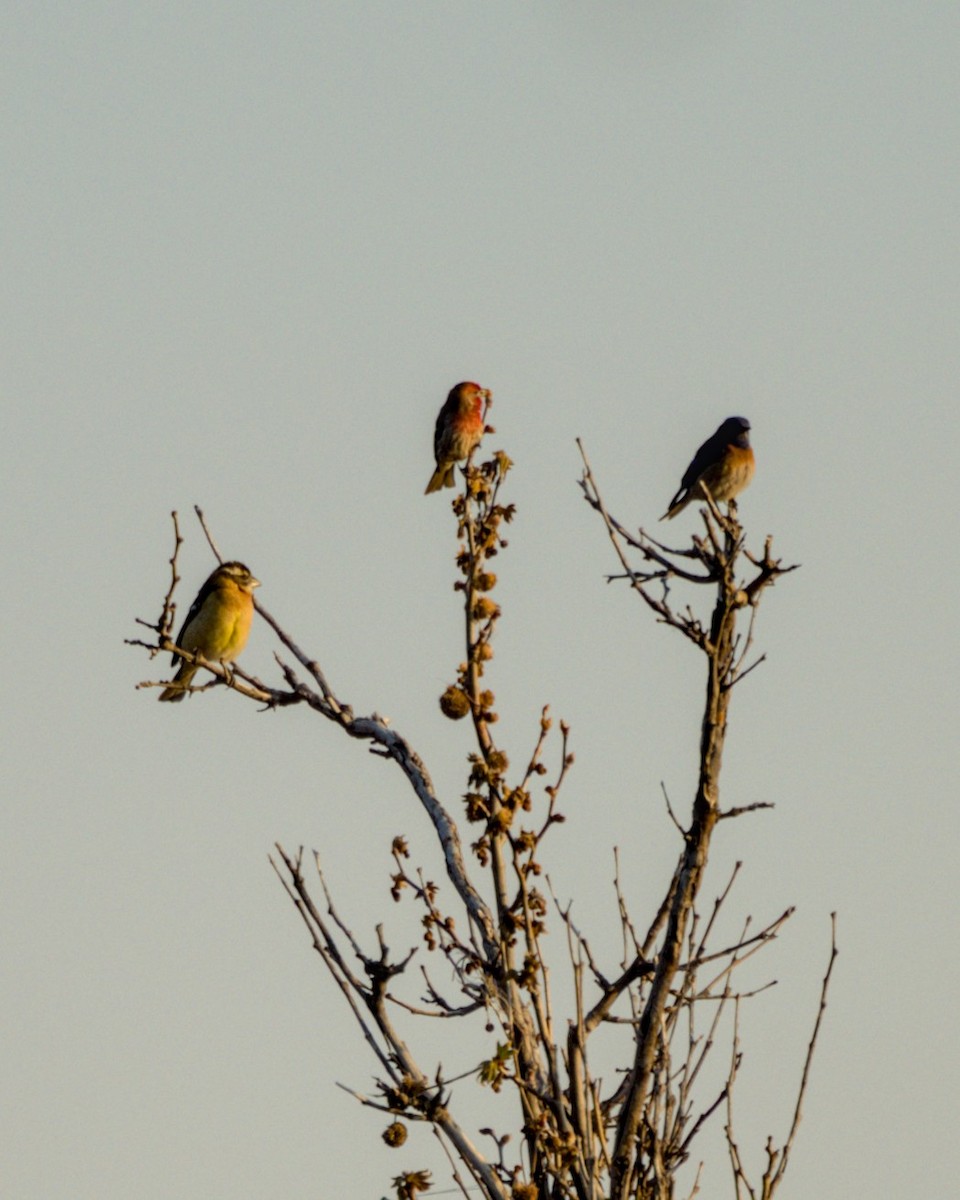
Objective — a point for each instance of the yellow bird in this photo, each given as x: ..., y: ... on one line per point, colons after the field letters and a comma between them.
x: 217, y: 625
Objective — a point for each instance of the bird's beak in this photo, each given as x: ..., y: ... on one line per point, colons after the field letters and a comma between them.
x: 254, y: 583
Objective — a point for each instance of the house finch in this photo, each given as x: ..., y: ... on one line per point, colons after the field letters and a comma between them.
x: 724, y: 464
x: 459, y: 429
x: 217, y: 625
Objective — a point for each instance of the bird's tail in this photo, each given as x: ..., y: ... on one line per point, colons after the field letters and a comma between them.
x: 179, y: 684
x: 676, y: 505
x: 441, y: 478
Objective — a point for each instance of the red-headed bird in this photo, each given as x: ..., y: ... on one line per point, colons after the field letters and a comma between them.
x: 459, y: 429
x: 724, y: 464
x: 217, y: 625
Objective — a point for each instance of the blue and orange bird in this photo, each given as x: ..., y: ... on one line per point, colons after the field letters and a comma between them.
x: 217, y: 625
x: 724, y: 465
x: 458, y: 431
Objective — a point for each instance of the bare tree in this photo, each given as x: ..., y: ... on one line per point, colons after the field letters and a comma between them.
x: 576, y: 1135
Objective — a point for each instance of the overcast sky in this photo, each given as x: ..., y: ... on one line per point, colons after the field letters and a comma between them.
x: 246, y: 250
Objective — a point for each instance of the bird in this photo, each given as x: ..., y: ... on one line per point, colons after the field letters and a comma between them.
x: 217, y: 625
x: 459, y: 430
x: 724, y: 465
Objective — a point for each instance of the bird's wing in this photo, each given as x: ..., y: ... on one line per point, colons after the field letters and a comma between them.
x: 195, y: 608
x: 706, y: 456
x: 441, y: 433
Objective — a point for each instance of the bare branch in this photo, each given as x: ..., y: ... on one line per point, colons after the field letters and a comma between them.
x: 780, y: 1170
x: 207, y: 534
x: 578, y: 1136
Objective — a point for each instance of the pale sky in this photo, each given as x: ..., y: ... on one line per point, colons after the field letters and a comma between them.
x: 246, y: 251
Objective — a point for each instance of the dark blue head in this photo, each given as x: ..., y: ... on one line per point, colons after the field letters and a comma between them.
x: 735, y: 430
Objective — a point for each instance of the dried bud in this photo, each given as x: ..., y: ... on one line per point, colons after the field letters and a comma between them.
x: 454, y: 703
x: 412, y: 1182
x: 502, y: 821
x: 483, y: 609
x: 477, y: 807
x: 486, y: 581
x: 494, y: 1070
x: 395, y: 1134
x: 528, y: 977
x: 515, y: 798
